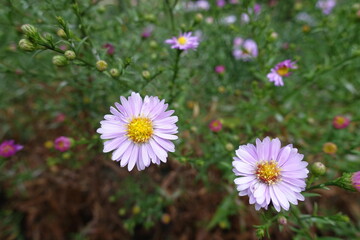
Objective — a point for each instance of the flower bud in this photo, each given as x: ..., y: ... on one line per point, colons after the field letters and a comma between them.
x: 153, y: 44
x: 282, y: 220
x: 146, y: 74
x: 318, y: 169
x: 274, y: 36
x: 59, y: 60
x: 229, y: 146
x: 347, y: 180
x: 101, y: 65
x: 61, y: 33
x: 199, y: 18
x: 165, y: 218
x: 29, y: 29
x: 329, y: 148
x: 70, y: 55
x: 136, y: 210
x: 260, y: 233
x: 26, y: 45
x: 114, y: 72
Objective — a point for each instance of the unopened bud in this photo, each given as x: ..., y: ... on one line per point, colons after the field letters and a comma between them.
x: 28, y: 29
x: 61, y: 33
x: 114, y: 72
x: 199, y: 18
x: 355, y: 179
x: 318, y: 169
x: 69, y: 54
x: 59, y: 60
x: 274, y: 36
x: 346, y: 181
x: 153, y: 44
x: 229, y: 147
x: 26, y: 45
x: 101, y: 65
x: 146, y: 74
x: 260, y: 233
x: 282, y: 220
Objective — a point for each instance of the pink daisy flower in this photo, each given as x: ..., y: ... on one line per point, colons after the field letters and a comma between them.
x: 355, y: 179
x: 215, y: 125
x: 268, y: 173
x: 281, y: 70
x: 62, y: 143
x: 8, y: 148
x: 245, y: 50
x: 340, y: 122
x: 139, y: 131
x: 220, y: 69
x: 184, y: 42
x: 326, y: 6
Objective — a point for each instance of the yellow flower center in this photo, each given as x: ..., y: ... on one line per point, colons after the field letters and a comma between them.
x: 7, y: 148
x: 330, y: 148
x: 282, y: 71
x: 182, y: 40
x: 268, y: 172
x: 340, y: 120
x: 140, y: 130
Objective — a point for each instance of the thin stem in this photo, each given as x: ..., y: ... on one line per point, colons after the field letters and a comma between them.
x: 173, y: 79
x: 322, y: 185
x: 171, y: 13
x: 301, y: 223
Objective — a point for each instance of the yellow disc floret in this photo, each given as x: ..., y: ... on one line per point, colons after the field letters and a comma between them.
x: 182, y: 40
x: 140, y: 129
x: 282, y: 71
x: 268, y: 172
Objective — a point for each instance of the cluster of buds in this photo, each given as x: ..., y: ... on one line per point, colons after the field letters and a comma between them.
x: 31, y: 34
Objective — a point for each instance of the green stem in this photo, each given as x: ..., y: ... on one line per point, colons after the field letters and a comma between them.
x: 322, y: 185
x: 173, y: 79
x: 171, y: 13
x: 301, y: 223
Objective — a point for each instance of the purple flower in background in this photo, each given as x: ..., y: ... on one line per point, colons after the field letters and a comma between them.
x: 147, y: 32
x: 268, y: 173
x: 245, y: 50
x: 245, y: 18
x: 184, y: 42
x: 326, y: 5
x: 279, y: 71
x: 355, y: 179
x: 203, y: 4
x: 62, y: 143
x: 234, y: 1
x: 257, y: 8
x: 110, y: 48
x: 8, y: 148
x: 139, y: 131
x: 220, y: 69
x: 215, y: 125
x: 220, y: 3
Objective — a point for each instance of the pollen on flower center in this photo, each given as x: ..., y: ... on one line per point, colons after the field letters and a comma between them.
x: 268, y: 172
x: 282, y: 71
x: 182, y: 40
x: 140, y: 130
x: 340, y: 120
x: 7, y: 148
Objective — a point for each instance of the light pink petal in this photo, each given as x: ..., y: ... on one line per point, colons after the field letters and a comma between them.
x: 166, y: 144
x: 283, y: 155
x: 243, y: 167
x: 125, y: 158
x: 112, y: 144
x: 133, y: 157
x: 244, y: 155
x: 244, y: 180
x: 275, y: 148
x: 159, y: 151
x: 145, y: 155
x: 281, y: 197
x: 165, y: 136
x: 120, y: 151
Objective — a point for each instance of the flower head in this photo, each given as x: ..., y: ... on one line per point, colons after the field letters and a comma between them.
x: 110, y: 48
x: 9, y: 148
x: 326, y: 5
x: 245, y: 49
x: 62, y: 143
x: 281, y: 70
x: 329, y: 148
x: 184, y: 42
x: 139, y: 131
x: 355, y: 179
x: 270, y: 173
x: 340, y: 122
x: 220, y: 69
x: 215, y: 125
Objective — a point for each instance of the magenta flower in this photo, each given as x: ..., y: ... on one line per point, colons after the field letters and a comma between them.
x: 245, y: 50
x: 340, y: 122
x: 326, y: 6
x: 355, y: 179
x: 220, y: 3
x: 257, y: 8
x: 279, y: 71
x: 139, y: 131
x: 215, y: 125
x: 8, y: 148
x: 184, y: 42
x: 220, y: 69
x: 62, y: 143
x: 60, y: 118
x: 270, y: 173
x: 147, y: 32
x: 110, y: 48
